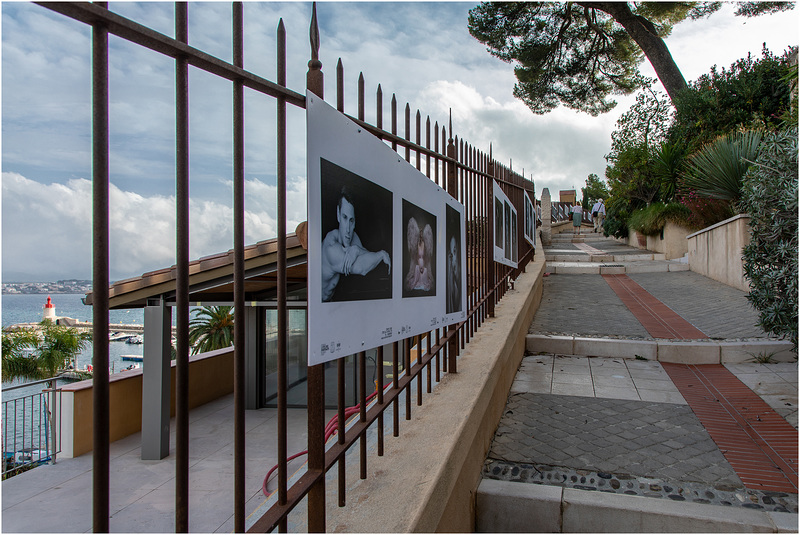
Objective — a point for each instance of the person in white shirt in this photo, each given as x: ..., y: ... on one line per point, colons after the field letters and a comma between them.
x: 577, y: 217
x: 598, y: 215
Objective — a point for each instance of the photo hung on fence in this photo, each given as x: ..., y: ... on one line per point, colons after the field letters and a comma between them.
x: 356, y: 254
x: 507, y: 226
x: 453, y: 244
x: 498, y: 223
x: 419, y: 252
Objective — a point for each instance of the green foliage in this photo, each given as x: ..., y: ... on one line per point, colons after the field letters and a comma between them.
x: 769, y: 196
x: 669, y: 161
x: 16, y: 346
x: 646, y: 123
x: 564, y: 53
x: 594, y: 191
x: 617, y: 214
x: 41, y: 355
x: 716, y: 171
x: 751, y: 93
x: 211, y: 328
x: 59, y: 346
x: 651, y: 220
x: 581, y: 53
x: 753, y: 9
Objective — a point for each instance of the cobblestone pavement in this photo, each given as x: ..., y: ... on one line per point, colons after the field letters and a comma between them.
x: 656, y: 450
x: 660, y: 440
x: 717, y: 309
x: 618, y: 425
x: 584, y: 304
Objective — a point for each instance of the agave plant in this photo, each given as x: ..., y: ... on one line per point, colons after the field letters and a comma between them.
x: 716, y: 170
x: 211, y: 328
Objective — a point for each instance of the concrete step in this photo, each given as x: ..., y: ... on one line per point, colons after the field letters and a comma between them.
x: 510, y: 507
x: 615, y: 267
x: 678, y: 352
x: 604, y: 258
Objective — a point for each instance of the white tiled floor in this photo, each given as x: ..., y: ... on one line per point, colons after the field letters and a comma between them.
x: 646, y: 380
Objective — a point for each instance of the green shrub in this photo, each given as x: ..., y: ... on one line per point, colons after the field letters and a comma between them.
x: 651, y: 220
x: 769, y: 196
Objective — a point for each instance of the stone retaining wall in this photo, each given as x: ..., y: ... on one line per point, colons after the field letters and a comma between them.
x: 428, y: 478
x: 716, y: 251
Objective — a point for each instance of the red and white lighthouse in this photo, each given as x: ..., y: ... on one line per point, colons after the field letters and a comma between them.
x: 49, y: 311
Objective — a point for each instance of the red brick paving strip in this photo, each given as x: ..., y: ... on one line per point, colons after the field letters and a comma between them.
x: 657, y: 318
x: 758, y: 443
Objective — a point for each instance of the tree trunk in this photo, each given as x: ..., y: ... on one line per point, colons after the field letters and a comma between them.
x: 644, y: 34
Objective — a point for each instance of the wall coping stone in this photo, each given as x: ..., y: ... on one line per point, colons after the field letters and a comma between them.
x: 716, y: 225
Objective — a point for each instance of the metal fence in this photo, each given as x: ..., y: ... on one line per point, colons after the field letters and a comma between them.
x: 464, y: 171
x: 31, y: 428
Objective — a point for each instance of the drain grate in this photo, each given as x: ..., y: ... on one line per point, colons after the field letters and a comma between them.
x: 611, y: 265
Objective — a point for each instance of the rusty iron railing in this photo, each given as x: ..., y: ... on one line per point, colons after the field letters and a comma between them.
x: 457, y: 166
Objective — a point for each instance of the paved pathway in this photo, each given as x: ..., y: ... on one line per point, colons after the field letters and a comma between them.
x: 639, y: 427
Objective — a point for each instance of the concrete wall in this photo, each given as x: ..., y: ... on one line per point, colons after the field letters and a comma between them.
x: 212, y: 377
x: 716, y: 251
x: 428, y: 478
x: 673, y: 245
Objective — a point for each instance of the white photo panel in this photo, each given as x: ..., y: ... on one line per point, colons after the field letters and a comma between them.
x: 530, y: 221
x: 504, y: 234
x: 386, y: 245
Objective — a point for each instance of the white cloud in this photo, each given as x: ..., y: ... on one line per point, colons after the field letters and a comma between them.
x: 47, y: 227
x: 420, y: 51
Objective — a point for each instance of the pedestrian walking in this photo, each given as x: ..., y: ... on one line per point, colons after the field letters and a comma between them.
x: 577, y: 218
x: 599, y: 215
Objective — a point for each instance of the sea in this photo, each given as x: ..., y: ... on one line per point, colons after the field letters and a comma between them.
x: 29, y: 308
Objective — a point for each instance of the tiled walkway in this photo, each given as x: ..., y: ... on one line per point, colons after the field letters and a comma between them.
x: 758, y: 443
x: 659, y: 320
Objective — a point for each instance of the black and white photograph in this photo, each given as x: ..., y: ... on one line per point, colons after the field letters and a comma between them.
x: 530, y: 220
x: 419, y: 251
x: 507, y: 232
x: 453, y: 266
x: 498, y: 222
x: 514, y: 243
x: 376, y: 241
x: 356, y: 217
x: 505, y: 214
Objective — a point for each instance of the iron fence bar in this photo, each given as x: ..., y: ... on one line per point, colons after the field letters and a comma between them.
x: 407, y: 144
x: 340, y: 366
x: 283, y: 322
x: 362, y: 409
x: 407, y: 368
x: 182, y: 275
x: 316, y: 374
x: 395, y: 383
x: 100, y: 276
x: 142, y: 35
x: 380, y: 388
x: 238, y: 273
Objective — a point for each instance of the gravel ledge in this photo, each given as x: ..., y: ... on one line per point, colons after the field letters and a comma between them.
x: 682, y: 491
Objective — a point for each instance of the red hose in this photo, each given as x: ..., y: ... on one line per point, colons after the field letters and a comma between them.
x: 331, y: 428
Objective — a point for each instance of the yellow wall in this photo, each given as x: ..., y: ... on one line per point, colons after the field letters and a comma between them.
x: 211, y: 377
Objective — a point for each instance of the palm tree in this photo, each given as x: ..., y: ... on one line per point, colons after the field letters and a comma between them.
x: 17, y: 361
x: 59, y: 347
x: 211, y: 328
x: 53, y: 349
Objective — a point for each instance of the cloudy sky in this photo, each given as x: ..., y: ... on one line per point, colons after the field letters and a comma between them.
x: 422, y: 52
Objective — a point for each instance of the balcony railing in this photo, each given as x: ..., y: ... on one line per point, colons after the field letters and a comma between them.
x: 31, y: 427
